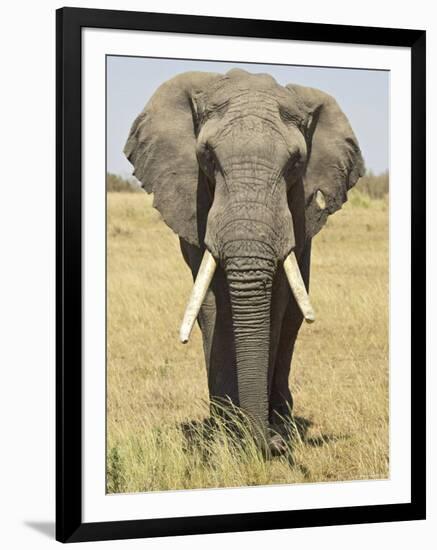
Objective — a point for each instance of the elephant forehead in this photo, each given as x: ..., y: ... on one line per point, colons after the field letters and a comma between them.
x: 252, y: 93
x: 258, y: 80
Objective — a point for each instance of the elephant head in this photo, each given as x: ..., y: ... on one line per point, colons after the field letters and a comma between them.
x: 248, y: 170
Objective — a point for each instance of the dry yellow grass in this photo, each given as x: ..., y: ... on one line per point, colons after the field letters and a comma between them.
x: 339, y: 375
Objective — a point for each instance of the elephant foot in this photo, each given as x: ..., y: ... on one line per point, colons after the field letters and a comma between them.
x: 277, y: 445
x: 279, y: 439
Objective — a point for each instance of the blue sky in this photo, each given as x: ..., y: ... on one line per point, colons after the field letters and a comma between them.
x: 362, y: 94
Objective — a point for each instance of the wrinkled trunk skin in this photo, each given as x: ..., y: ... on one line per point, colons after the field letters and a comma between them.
x: 250, y: 288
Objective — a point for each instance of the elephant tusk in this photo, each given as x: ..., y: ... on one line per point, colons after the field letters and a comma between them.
x: 297, y: 286
x: 200, y: 288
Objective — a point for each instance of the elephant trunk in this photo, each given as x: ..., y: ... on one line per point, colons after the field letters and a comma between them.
x: 250, y: 287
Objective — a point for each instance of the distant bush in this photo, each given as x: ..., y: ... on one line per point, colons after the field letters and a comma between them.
x: 119, y: 184
x: 375, y: 187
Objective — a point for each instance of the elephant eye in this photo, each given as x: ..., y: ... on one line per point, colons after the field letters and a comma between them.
x: 208, y: 161
x: 294, y: 165
x: 287, y: 116
x: 295, y: 158
x: 209, y: 155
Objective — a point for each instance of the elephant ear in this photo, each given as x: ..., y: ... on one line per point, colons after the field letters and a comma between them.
x: 162, y: 148
x: 334, y: 162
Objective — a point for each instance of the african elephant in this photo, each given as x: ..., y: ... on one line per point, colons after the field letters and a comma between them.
x: 246, y: 172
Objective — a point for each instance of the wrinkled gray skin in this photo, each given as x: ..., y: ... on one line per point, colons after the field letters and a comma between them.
x: 250, y: 170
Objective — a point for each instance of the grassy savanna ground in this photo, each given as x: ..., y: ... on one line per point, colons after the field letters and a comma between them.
x: 155, y: 384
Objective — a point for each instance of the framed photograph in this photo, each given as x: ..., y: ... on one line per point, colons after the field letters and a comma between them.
x: 207, y: 169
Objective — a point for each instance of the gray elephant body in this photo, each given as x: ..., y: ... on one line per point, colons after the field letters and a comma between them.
x: 248, y: 170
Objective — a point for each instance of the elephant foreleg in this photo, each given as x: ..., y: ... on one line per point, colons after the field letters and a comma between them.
x: 280, y: 398
x: 215, y: 321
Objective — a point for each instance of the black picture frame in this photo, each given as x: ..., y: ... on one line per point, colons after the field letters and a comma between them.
x: 69, y: 525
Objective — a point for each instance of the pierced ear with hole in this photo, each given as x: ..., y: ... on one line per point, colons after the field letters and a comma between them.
x: 162, y: 148
x: 334, y: 161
